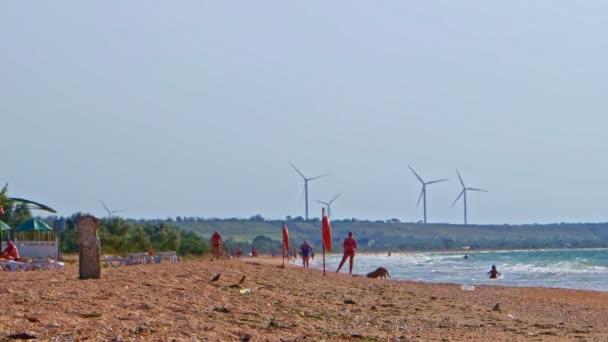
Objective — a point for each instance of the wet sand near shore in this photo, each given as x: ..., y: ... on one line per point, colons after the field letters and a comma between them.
x: 161, y: 302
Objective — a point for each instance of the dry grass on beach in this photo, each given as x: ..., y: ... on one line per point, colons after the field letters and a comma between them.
x: 166, y: 302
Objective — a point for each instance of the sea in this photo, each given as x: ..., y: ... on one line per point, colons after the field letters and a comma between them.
x: 585, y: 269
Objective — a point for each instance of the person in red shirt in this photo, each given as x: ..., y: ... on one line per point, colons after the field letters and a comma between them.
x: 350, y: 245
x: 216, y: 243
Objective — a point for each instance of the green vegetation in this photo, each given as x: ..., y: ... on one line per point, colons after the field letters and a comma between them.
x: 190, y: 236
x: 394, y: 235
x: 120, y: 236
x: 15, y: 213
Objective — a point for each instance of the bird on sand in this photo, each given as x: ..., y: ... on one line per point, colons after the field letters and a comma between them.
x: 242, y: 280
x: 216, y: 278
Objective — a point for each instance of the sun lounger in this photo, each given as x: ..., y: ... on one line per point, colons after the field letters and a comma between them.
x: 115, y: 261
x: 171, y: 256
x: 46, y: 265
x: 138, y: 258
x: 15, y: 266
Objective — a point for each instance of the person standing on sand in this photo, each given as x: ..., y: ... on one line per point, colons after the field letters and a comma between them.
x: 350, y: 245
x: 216, y: 243
x: 305, y: 251
x: 494, y: 273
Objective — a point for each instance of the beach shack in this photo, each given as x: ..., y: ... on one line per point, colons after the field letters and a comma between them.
x: 34, y: 238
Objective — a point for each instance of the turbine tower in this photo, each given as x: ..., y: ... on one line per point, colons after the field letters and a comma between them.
x: 463, y: 194
x: 110, y: 212
x: 306, y: 180
x: 423, y: 191
x: 328, y: 204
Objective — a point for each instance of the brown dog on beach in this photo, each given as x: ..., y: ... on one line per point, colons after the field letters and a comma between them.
x: 380, y: 272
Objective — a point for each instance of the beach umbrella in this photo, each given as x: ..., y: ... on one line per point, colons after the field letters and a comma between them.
x: 5, y: 226
x: 286, y: 238
x: 326, y: 235
x: 326, y: 226
x: 32, y: 205
x: 33, y: 225
x: 28, y: 203
x: 286, y: 246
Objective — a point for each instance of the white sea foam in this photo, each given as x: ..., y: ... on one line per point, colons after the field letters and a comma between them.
x: 580, y: 269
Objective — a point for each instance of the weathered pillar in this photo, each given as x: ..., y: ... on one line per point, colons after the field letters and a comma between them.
x: 89, y: 247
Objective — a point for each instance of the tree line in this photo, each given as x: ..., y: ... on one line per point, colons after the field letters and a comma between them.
x: 119, y: 236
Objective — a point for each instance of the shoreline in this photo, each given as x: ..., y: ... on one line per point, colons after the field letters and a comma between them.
x: 278, y: 262
x: 478, y: 279
x: 256, y: 299
x: 471, y: 251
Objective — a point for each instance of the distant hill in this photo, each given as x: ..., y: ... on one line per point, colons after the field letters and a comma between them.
x: 392, y: 235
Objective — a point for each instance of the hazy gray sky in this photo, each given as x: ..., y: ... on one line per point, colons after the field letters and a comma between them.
x: 194, y: 108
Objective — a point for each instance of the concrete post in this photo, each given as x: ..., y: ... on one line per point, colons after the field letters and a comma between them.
x: 89, y: 247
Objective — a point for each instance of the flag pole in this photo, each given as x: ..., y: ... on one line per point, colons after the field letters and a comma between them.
x: 323, y: 258
x: 1, y: 213
x: 283, y: 243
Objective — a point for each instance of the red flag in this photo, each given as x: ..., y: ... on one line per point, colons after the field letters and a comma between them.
x: 285, y: 237
x: 1, y: 211
x: 326, y: 232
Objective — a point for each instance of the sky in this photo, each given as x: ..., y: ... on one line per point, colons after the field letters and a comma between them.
x: 196, y: 108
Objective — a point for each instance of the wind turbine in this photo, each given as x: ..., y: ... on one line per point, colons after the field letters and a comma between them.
x: 110, y: 212
x: 463, y: 194
x: 328, y: 204
x: 306, y: 180
x: 423, y: 191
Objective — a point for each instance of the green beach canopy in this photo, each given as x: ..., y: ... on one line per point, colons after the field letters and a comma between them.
x: 5, y: 226
x: 33, y: 225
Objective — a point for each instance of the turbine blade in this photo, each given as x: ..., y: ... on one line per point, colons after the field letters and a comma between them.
x: 437, y: 181
x: 475, y: 189
x: 457, y: 198
x: 324, y: 203
x: 461, y: 182
x: 420, y: 197
x: 415, y: 174
x: 335, y: 197
x: 323, y: 175
x: 105, y: 206
x: 298, y: 171
x: 118, y: 210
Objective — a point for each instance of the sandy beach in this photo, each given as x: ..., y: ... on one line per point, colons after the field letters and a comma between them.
x: 163, y: 302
